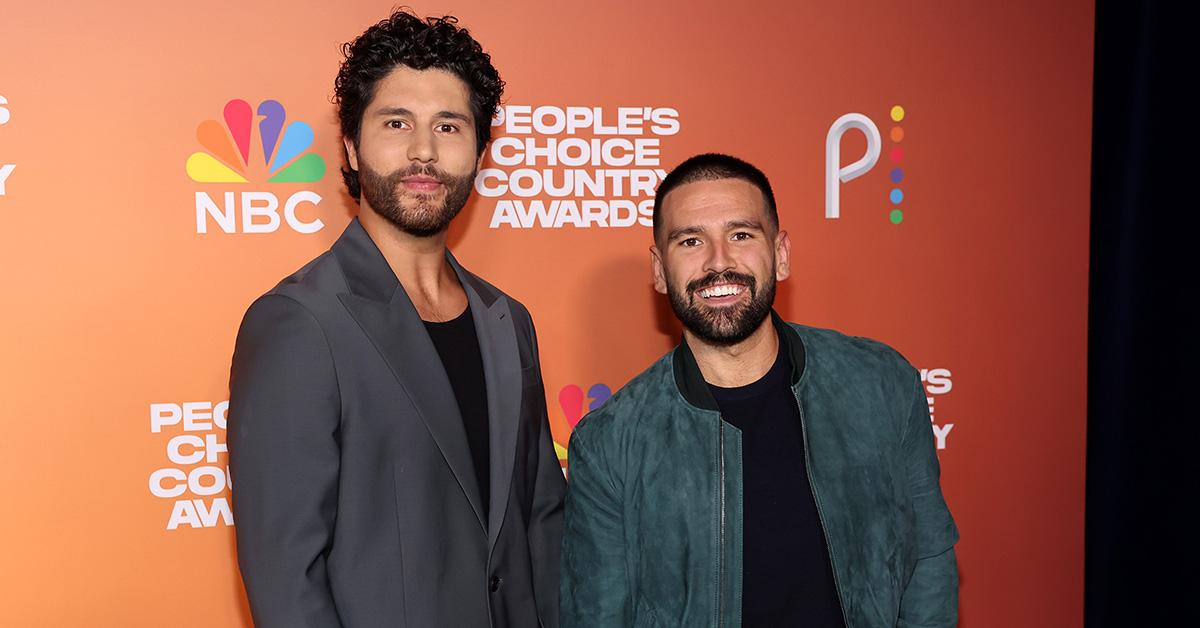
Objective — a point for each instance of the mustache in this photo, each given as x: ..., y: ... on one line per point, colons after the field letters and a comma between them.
x: 424, y: 170
x: 728, y: 276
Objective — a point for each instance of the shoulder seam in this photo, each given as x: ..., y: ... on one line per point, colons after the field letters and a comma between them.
x: 337, y: 381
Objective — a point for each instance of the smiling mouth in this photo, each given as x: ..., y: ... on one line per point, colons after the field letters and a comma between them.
x: 721, y: 291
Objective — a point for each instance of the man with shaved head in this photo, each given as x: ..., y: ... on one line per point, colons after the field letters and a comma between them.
x: 762, y: 473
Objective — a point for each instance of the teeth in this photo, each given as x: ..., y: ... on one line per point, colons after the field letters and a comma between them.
x: 720, y: 291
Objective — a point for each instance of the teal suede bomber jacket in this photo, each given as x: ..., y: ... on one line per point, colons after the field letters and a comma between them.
x: 653, y: 528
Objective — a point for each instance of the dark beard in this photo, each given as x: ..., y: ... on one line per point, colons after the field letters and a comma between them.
x: 722, y: 326
x: 427, y: 218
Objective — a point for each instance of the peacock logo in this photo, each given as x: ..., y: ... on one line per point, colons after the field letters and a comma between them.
x: 227, y: 154
x: 836, y: 174
x: 574, y: 404
x: 231, y: 156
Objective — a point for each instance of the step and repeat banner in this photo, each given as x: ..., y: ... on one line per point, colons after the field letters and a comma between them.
x: 162, y: 164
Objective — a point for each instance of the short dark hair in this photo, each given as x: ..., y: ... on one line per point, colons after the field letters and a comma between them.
x: 712, y: 167
x: 405, y: 39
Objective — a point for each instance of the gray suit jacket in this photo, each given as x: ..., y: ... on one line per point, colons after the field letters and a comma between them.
x: 355, y: 498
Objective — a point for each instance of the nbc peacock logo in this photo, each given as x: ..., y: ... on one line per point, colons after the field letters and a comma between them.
x: 231, y: 156
x: 574, y: 404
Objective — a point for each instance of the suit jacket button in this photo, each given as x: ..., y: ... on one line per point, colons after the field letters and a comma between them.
x: 494, y: 583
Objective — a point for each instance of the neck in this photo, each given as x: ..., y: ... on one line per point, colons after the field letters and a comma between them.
x: 739, y: 364
x: 420, y: 265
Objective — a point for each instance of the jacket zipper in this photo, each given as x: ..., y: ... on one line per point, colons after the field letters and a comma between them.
x: 721, y: 545
x: 817, y: 501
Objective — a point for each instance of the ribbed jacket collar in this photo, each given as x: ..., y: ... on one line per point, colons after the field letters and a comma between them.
x: 690, y: 380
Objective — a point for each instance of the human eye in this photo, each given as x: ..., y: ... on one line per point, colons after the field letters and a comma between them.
x: 690, y: 242
x: 741, y: 235
x: 447, y: 127
x: 396, y: 123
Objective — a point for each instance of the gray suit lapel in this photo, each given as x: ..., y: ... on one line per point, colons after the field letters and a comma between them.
x: 385, y: 314
x: 502, y: 374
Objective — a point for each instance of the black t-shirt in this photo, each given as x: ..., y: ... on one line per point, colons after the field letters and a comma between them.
x: 787, y: 579
x: 458, y: 346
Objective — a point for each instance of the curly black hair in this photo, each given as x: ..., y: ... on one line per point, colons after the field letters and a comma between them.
x: 405, y: 39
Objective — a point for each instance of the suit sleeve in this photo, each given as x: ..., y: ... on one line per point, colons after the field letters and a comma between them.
x: 930, y: 598
x: 594, y: 580
x: 284, y: 412
x: 546, y: 519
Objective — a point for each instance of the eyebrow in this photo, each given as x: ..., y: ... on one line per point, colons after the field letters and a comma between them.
x: 732, y: 224
x: 691, y: 230
x: 441, y: 115
x: 744, y: 224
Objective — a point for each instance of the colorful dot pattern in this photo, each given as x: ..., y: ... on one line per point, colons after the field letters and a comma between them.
x: 896, y: 195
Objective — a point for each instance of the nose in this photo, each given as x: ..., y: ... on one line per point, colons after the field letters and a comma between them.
x: 719, y: 260
x: 423, y: 147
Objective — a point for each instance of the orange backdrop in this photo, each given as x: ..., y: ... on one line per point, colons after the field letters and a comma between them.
x: 964, y: 246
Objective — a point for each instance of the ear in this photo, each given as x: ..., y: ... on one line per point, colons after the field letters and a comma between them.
x: 783, y: 255
x: 351, y: 153
x: 656, y: 270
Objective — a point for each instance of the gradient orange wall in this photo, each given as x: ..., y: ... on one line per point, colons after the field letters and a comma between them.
x: 113, y: 301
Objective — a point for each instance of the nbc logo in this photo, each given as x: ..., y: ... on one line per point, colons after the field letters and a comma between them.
x: 571, y: 399
x: 231, y: 157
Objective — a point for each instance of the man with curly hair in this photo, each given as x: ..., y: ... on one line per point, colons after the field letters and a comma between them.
x: 387, y: 423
